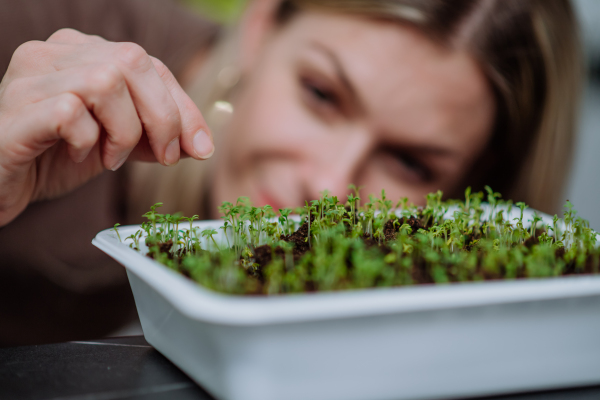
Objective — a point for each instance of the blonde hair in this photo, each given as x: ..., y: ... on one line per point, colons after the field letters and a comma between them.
x: 530, y: 52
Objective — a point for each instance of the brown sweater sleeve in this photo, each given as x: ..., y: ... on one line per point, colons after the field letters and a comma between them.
x: 54, y: 285
x: 161, y: 27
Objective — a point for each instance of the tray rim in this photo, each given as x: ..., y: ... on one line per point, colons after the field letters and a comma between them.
x: 197, y: 302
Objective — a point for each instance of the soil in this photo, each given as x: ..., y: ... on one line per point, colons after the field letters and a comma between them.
x: 164, y: 248
x: 392, y: 227
x: 263, y: 255
x: 421, y: 274
x: 299, y: 239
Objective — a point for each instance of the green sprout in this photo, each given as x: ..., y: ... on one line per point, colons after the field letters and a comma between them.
x: 345, y: 245
x: 117, y: 231
x: 210, y: 234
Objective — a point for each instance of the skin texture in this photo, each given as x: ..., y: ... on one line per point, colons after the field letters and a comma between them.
x: 328, y: 100
x: 75, y: 105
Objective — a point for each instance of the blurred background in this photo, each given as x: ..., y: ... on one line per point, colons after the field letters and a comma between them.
x: 584, y: 188
x: 225, y: 11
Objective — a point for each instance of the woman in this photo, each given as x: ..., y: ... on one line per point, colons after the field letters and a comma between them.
x: 410, y: 96
x: 512, y: 128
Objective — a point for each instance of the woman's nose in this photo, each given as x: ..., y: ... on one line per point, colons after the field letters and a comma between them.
x: 336, y: 163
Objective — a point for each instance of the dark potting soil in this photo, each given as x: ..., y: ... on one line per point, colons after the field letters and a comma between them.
x: 420, y: 273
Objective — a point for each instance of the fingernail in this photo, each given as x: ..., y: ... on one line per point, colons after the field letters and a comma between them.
x: 79, y: 158
x: 172, y: 153
x: 203, y: 146
x: 120, y: 163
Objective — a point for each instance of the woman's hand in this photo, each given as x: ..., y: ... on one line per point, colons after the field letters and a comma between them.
x: 77, y: 104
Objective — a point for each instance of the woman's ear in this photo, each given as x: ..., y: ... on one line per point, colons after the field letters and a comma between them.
x: 258, y: 21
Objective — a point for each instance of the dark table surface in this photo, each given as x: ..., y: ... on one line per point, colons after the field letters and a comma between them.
x: 129, y: 368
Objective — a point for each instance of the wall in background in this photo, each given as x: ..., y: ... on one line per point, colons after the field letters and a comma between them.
x: 584, y: 187
x: 225, y: 11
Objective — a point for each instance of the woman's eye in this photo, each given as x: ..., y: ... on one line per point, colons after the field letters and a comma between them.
x: 319, y: 93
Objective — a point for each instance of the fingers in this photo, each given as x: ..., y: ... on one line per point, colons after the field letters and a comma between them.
x: 34, y: 129
x: 196, y: 137
x: 157, y: 126
x: 107, y: 95
x: 170, y: 120
x: 104, y: 91
x: 155, y: 106
x: 37, y: 57
x: 42, y: 124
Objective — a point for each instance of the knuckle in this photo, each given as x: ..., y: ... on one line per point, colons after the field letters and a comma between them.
x: 67, y: 108
x: 170, y: 118
x: 15, y: 88
x: 133, y: 56
x: 164, y: 72
x: 97, y: 38
x: 128, y: 140
x: 66, y: 34
x: 26, y: 50
x: 106, y: 78
x: 160, y: 67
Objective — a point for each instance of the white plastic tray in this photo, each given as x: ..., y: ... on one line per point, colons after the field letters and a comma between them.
x: 418, y: 342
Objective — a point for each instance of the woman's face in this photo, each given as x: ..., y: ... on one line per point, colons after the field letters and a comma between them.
x: 331, y: 100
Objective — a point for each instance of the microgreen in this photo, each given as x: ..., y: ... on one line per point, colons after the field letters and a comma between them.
x: 115, y: 228
x: 341, y: 245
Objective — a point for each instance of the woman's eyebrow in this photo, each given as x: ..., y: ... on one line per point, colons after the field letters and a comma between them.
x: 338, y: 66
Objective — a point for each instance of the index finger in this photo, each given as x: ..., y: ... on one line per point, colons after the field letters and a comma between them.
x: 156, y: 108
x: 196, y: 137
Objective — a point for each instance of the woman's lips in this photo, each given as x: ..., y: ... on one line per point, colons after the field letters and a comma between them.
x: 264, y: 198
